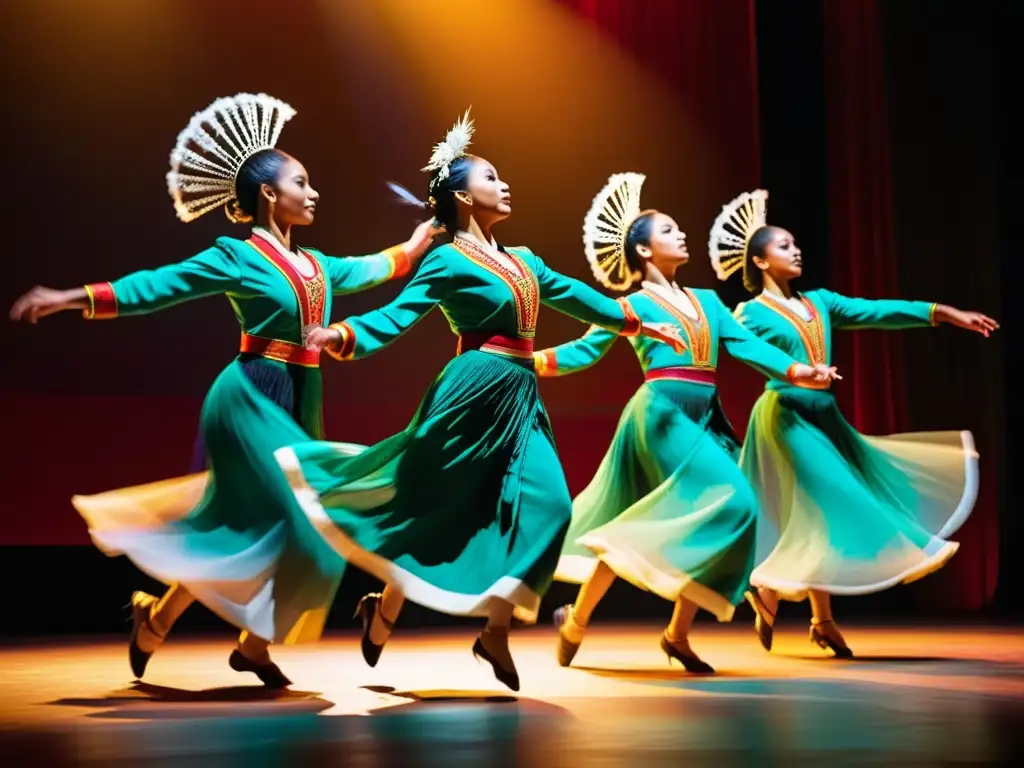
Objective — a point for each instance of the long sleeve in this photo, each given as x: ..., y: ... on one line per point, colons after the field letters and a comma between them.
x: 742, y: 316
x: 743, y: 345
x: 888, y: 314
x: 362, y: 335
x: 573, y: 298
x: 351, y: 274
x: 576, y: 355
x: 214, y: 271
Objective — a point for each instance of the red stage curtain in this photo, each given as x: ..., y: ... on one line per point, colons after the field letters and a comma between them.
x: 706, y: 51
x: 861, y: 238
x: 705, y: 48
x: 869, y: 151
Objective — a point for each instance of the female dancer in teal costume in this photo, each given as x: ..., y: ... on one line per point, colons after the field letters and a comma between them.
x: 668, y: 510
x: 843, y: 513
x: 479, y: 506
x: 233, y: 538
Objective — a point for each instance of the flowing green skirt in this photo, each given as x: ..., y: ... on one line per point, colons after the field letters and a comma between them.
x: 233, y: 536
x: 668, y: 510
x: 477, y: 505
x: 845, y: 513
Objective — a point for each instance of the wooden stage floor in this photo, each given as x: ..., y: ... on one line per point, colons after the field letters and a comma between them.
x: 915, y: 696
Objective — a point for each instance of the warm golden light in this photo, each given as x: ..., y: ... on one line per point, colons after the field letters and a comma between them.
x: 558, y: 106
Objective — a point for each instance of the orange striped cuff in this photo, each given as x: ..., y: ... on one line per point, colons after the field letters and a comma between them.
x: 806, y: 383
x: 632, y: 325
x: 346, y: 349
x: 401, y: 264
x: 102, y: 302
x: 545, y: 363
x: 931, y: 314
x: 791, y: 375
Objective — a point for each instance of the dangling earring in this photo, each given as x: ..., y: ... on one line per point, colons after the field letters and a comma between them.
x: 235, y: 214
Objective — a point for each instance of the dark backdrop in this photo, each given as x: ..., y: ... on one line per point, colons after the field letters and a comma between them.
x: 888, y: 159
x: 886, y: 147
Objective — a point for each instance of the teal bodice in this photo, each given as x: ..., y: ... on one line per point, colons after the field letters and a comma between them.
x: 270, y: 297
x: 713, y: 328
x: 480, y: 295
x: 809, y: 339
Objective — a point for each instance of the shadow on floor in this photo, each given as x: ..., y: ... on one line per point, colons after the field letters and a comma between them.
x: 146, y: 701
x: 444, y: 695
x: 649, y: 673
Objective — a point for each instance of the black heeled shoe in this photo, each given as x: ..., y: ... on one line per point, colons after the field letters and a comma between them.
x: 765, y: 629
x: 509, y: 678
x: 269, y: 673
x: 368, y: 608
x: 140, y: 608
x: 841, y: 650
x: 689, y: 661
x: 566, y: 650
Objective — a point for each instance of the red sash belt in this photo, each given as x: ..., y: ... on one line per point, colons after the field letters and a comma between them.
x: 696, y: 375
x: 496, y: 344
x: 283, y: 351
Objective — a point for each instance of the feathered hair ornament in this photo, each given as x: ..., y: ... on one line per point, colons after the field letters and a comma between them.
x: 732, y: 230
x: 213, y: 147
x: 454, y: 146
x: 407, y: 197
x: 606, y: 226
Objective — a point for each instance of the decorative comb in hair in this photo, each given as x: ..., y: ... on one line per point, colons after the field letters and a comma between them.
x: 606, y: 226
x: 213, y: 147
x: 732, y: 230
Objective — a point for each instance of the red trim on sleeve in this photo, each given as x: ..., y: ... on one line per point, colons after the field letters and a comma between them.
x: 102, y: 302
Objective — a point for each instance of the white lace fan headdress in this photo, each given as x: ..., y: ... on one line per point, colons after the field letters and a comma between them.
x: 732, y: 230
x: 213, y: 147
x: 454, y: 146
x: 606, y: 226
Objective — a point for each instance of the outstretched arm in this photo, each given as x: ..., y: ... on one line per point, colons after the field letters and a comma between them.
x: 573, y: 298
x: 892, y: 314
x: 748, y: 348
x: 849, y: 313
x: 576, y: 355
x: 362, y: 335
x: 211, y: 272
x: 351, y: 274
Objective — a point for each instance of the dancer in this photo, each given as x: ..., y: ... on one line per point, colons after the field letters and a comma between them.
x: 668, y: 509
x: 480, y: 504
x: 233, y: 538
x: 843, y: 513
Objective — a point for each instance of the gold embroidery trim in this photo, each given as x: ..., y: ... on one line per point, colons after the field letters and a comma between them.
x: 699, y: 334
x: 525, y: 291
x: 811, y: 332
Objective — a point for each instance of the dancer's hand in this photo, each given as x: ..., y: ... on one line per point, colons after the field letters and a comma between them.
x: 666, y: 332
x: 814, y: 376
x: 421, y: 238
x: 825, y: 373
x: 972, y: 321
x: 317, y: 337
x: 40, y: 302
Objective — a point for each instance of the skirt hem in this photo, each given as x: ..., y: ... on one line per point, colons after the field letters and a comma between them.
x: 526, y: 602
x: 638, y: 571
x: 794, y: 591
